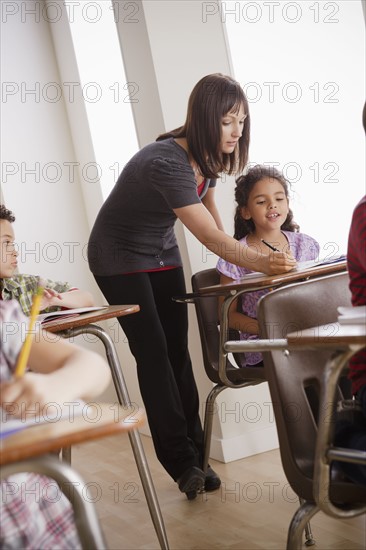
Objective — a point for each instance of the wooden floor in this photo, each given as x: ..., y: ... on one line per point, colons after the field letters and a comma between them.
x: 252, y: 510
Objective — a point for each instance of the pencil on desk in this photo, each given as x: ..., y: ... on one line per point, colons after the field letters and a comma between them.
x: 24, y: 352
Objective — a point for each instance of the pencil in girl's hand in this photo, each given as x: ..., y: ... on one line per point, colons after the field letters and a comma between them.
x: 24, y: 352
x: 270, y: 246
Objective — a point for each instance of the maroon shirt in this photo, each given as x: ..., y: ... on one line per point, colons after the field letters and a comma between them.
x: 356, y: 260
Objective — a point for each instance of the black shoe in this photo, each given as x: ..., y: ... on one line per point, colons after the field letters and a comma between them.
x: 212, y: 480
x: 191, y: 482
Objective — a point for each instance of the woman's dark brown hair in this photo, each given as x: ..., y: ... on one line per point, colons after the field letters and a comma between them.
x: 213, y: 97
x: 244, y: 185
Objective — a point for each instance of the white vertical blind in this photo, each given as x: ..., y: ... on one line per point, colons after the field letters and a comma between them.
x: 106, y: 93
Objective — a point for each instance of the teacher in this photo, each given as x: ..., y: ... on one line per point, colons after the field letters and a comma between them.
x: 134, y: 257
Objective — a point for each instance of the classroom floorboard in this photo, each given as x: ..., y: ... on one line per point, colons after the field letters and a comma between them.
x: 251, y: 511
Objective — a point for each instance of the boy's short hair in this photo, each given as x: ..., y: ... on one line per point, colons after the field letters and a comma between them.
x: 6, y: 214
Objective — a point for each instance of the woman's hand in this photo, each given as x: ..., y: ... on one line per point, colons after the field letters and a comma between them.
x: 203, y: 226
x: 276, y: 263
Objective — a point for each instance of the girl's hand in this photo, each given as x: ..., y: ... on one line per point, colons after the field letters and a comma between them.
x: 50, y: 298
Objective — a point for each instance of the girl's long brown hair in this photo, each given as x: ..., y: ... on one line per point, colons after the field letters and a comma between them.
x: 244, y: 185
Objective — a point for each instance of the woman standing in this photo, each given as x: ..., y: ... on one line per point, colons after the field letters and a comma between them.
x: 134, y: 256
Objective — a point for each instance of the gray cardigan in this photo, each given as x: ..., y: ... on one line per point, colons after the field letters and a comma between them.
x: 134, y: 230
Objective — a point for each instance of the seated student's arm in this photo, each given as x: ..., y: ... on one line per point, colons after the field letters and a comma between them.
x: 57, y: 294
x: 70, y: 299
x: 61, y: 373
x: 237, y: 320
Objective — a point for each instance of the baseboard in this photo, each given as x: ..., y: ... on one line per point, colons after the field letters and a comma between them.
x: 248, y: 444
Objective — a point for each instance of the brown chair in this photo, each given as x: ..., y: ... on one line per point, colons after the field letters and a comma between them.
x: 234, y: 377
x: 296, y: 381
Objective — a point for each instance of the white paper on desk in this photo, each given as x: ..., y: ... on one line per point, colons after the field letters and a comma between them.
x: 53, y: 412
x: 52, y: 315
x: 322, y: 261
x: 352, y: 315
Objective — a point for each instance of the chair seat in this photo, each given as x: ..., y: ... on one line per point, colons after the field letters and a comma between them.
x: 237, y: 374
x: 343, y: 491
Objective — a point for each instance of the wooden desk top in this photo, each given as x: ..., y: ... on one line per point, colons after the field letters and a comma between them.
x: 59, y: 325
x: 333, y: 334
x: 99, y: 420
x: 256, y: 281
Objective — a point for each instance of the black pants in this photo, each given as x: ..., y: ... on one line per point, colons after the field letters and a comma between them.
x: 158, y: 339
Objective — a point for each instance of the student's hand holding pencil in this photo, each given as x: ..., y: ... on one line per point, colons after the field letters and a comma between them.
x: 32, y: 394
x: 59, y: 372
x: 23, y: 397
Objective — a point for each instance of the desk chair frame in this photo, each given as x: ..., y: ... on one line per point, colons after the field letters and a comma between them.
x: 309, y: 378
x: 71, y: 484
x: 206, y: 289
x: 217, y: 365
x: 215, y: 347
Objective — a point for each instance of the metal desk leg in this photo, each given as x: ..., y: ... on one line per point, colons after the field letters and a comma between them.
x: 136, y: 443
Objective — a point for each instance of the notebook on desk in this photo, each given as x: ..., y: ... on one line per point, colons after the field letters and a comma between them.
x: 66, y: 313
x: 300, y: 266
x: 54, y: 412
x: 321, y: 261
x: 352, y: 315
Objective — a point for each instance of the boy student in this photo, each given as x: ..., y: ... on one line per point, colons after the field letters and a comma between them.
x: 23, y: 287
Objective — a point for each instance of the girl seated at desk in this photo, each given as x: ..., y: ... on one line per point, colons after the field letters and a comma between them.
x: 31, y: 516
x: 263, y: 221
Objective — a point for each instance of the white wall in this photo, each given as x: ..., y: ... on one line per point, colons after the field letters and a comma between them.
x: 40, y: 176
x: 36, y: 152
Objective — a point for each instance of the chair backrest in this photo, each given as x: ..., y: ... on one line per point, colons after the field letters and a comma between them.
x: 295, y: 377
x: 207, y: 318
x: 208, y: 321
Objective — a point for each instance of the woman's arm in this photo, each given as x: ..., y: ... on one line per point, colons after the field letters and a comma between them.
x: 209, y: 202
x: 237, y: 320
x: 203, y: 226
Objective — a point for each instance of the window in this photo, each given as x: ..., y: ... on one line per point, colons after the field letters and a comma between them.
x: 301, y: 65
x: 106, y: 92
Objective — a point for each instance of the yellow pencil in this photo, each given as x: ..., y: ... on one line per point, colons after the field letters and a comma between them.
x: 25, y: 351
